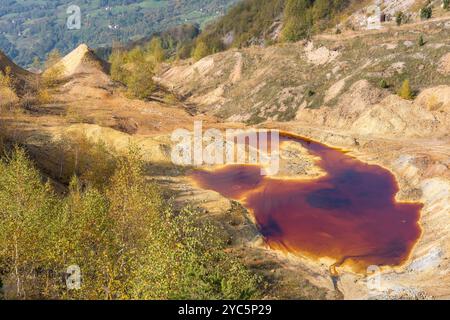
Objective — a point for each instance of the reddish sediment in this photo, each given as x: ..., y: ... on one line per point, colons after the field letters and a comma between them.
x: 349, y: 215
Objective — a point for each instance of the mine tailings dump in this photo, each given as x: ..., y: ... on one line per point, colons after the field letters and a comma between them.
x: 349, y: 215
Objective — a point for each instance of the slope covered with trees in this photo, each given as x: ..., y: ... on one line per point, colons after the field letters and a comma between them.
x: 254, y: 21
x: 119, y: 239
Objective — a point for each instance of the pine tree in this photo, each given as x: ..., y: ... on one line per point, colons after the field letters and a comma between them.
x: 421, y: 41
x: 298, y: 20
x: 140, y: 80
x: 156, y: 50
x: 426, y: 12
x: 201, y: 50
x: 405, y: 91
x: 446, y: 4
x: 399, y: 18
x: 383, y: 84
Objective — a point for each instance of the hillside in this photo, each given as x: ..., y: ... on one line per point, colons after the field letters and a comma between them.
x: 265, y: 22
x: 286, y: 82
x: 33, y: 28
x: 342, y: 89
x: 87, y: 108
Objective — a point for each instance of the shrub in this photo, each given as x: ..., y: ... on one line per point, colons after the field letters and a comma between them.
x: 399, y: 16
x: 426, y: 13
x: 303, y: 17
x: 201, y: 50
x: 89, y: 160
x: 310, y: 92
x: 135, y: 69
x: 383, y: 84
x: 184, y: 51
x: 156, y: 50
x: 8, y: 95
x: 43, y: 96
x: 446, y: 4
x: 6, y: 80
x: 298, y: 20
x: 405, y: 91
x: 421, y: 41
x: 118, y: 62
x: 140, y: 80
x: 26, y: 211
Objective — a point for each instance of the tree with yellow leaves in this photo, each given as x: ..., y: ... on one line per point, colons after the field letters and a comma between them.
x: 125, y: 238
x: 200, y: 51
x: 405, y: 91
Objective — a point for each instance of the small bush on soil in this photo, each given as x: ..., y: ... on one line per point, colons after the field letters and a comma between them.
x: 405, y: 91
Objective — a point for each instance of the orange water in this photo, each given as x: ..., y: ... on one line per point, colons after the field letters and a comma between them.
x: 350, y: 215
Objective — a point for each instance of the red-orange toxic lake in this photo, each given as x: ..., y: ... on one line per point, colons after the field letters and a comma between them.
x: 350, y: 215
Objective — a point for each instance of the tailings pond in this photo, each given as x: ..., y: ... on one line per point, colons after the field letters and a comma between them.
x: 349, y: 215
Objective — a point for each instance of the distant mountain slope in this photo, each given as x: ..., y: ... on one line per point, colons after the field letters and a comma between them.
x: 30, y: 28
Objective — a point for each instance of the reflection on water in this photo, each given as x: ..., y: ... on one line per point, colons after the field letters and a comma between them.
x: 349, y: 215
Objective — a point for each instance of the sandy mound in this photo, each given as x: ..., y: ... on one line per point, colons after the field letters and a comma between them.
x: 368, y: 110
x: 434, y: 99
x: 83, y: 60
x: 334, y: 90
x: 319, y: 56
x: 361, y: 96
x: 190, y: 72
x: 154, y: 149
x: 444, y: 64
x: 395, y: 115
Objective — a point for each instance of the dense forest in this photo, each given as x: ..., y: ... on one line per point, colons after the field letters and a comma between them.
x: 32, y: 28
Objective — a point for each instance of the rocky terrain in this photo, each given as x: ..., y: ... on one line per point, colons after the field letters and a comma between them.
x: 326, y: 89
